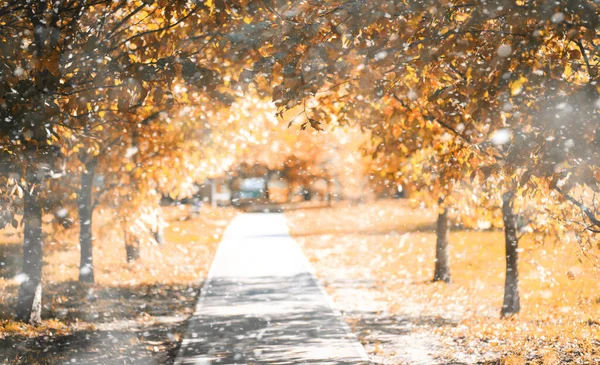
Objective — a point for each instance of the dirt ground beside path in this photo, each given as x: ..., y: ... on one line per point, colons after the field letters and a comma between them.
x: 376, y: 260
x: 134, y: 314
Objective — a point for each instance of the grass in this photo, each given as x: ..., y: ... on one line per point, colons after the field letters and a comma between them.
x: 391, y: 247
x: 134, y: 313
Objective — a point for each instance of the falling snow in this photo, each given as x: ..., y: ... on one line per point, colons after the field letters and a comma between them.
x: 301, y: 182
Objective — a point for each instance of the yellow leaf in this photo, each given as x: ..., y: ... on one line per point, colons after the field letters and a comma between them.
x: 516, y: 87
x: 129, y: 166
x: 461, y: 17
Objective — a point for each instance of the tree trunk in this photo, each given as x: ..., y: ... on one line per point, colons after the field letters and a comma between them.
x: 132, y: 247
x: 86, y: 211
x: 133, y: 251
x: 29, y: 302
x: 511, y: 303
x: 442, y: 268
x: 159, y: 235
x: 230, y: 185
x: 267, y: 192
x: 306, y: 194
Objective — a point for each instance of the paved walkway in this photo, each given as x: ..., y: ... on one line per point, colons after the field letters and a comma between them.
x: 261, y: 304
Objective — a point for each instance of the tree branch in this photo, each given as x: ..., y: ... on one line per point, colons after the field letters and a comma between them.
x: 125, y: 19
x: 585, y: 210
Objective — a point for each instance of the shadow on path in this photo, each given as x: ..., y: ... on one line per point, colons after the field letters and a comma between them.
x: 274, y: 320
x: 261, y: 304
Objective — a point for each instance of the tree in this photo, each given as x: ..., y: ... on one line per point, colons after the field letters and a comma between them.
x: 30, y: 90
x: 487, y: 74
x: 472, y: 89
x: 64, y: 74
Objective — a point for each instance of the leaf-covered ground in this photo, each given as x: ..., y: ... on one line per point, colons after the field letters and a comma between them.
x: 134, y: 314
x: 377, y: 260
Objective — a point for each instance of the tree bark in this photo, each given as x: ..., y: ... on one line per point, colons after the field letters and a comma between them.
x: 230, y: 184
x: 442, y: 268
x: 132, y: 247
x: 29, y: 302
x: 85, y: 206
x: 267, y: 179
x: 133, y: 251
x: 511, y: 303
x: 306, y: 194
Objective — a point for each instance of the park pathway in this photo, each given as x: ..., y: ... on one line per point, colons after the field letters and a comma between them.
x: 261, y: 304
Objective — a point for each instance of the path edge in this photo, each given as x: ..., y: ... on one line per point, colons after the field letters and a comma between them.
x: 203, y: 292
x: 311, y: 270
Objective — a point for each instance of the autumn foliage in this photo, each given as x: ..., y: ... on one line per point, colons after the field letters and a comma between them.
x: 487, y: 110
